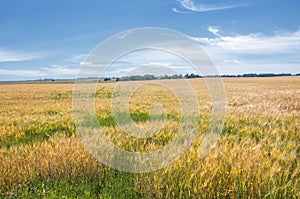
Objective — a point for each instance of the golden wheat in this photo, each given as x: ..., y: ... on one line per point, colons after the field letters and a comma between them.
x: 256, y: 156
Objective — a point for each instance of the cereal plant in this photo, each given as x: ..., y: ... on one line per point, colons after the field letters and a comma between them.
x: 257, y: 155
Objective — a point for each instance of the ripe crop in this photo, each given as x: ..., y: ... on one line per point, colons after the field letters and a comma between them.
x: 257, y: 155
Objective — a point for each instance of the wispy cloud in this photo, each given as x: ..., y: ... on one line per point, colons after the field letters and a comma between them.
x: 20, y: 73
x: 214, y: 30
x: 54, y: 71
x: 194, y: 6
x: 149, y: 61
x: 16, y: 56
x: 179, y: 11
x: 57, y: 70
x: 76, y: 59
x: 66, y: 69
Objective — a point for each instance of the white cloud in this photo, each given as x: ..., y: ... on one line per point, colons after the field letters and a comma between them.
x: 21, y: 73
x: 213, y: 30
x: 124, y: 34
x: 235, y: 61
x: 55, y: 71
x: 151, y: 61
x: 277, y: 52
x: 191, y: 5
x: 66, y: 69
x: 77, y: 58
x: 178, y: 11
x: 86, y: 63
x: 16, y: 56
x: 282, y: 43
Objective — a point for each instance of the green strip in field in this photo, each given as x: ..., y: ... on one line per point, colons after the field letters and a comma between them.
x: 109, y: 120
x: 34, y: 131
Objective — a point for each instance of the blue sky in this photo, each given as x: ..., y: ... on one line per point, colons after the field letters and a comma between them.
x: 49, y: 39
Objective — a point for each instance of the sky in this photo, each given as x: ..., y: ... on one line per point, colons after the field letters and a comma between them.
x: 50, y: 39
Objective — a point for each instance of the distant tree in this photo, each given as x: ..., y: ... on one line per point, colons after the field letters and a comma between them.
x: 149, y: 77
x: 266, y: 75
x: 167, y: 76
x: 250, y: 75
x: 175, y: 76
x: 125, y: 78
x: 136, y: 77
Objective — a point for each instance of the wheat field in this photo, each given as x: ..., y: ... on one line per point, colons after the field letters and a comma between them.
x: 257, y: 154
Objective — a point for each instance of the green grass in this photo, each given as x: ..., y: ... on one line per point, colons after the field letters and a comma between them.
x: 113, y: 184
x: 36, y: 131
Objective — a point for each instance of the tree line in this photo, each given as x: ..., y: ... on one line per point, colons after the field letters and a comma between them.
x: 190, y: 76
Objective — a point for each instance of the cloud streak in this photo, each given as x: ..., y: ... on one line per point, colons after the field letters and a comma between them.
x: 16, y: 56
x: 191, y: 5
x: 43, y: 72
x: 179, y: 11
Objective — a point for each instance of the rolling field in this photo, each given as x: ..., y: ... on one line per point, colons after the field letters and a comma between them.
x: 257, y: 155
